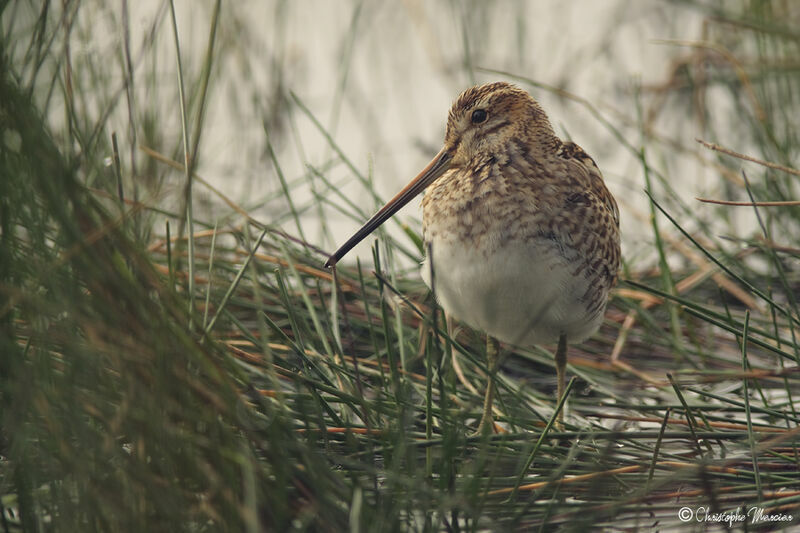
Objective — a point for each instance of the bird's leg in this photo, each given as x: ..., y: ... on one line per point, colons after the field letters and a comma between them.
x: 493, y: 359
x: 561, y: 375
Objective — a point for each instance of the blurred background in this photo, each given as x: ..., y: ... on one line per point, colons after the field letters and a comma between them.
x: 379, y: 78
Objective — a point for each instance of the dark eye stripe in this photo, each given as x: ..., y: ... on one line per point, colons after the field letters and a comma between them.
x: 497, y: 127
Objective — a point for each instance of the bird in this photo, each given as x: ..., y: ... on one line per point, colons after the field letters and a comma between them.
x: 521, y: 233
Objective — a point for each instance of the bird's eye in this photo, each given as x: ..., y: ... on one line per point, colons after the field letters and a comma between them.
x: 478, y: 116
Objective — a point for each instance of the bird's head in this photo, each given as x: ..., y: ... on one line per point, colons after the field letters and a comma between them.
x: 483, y: 122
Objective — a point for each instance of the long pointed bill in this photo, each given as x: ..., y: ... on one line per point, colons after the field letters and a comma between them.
x: 435, y: 168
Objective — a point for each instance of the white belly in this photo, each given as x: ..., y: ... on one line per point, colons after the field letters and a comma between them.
x: 521, y: 294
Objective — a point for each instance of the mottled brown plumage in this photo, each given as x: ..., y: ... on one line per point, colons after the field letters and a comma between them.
x: 522, y: 232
